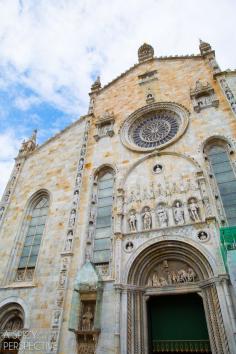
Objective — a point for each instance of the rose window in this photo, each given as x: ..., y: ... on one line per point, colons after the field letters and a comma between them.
x: 154, y: 126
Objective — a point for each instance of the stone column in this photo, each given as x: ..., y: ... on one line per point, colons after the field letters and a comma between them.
x: 117, y: 321
x: 123, y: 321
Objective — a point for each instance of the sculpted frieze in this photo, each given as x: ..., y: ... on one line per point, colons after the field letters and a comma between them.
x: 172, y: 272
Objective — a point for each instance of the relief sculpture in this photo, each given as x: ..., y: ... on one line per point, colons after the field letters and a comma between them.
x: 172, y: 273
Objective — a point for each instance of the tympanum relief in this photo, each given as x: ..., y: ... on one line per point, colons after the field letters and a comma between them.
x: 172, y: 272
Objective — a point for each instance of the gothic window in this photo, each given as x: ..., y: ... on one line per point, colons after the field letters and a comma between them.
x: 103, y: 225
x: 37, y: 219
x: 218, y: 156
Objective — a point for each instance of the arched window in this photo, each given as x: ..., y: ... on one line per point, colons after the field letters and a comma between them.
x: 37, y: 218
x: 103, y: 224
x: 221, y: 166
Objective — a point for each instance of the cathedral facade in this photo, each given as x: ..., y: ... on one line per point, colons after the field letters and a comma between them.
x: 118, y: 234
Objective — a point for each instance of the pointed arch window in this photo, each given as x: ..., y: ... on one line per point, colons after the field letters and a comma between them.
x: 37, y: 218
x: 103, y: 224
x: 221, y: 166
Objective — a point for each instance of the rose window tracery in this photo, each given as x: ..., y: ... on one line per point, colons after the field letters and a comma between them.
x: 155, y: 130
x: 154, y: 126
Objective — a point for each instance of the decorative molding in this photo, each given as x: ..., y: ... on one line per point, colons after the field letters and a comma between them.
x: 104, y: 125
x: 203, y: 96
x: 67, y: 251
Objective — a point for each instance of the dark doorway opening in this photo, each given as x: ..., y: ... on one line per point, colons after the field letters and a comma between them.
x: 177, y: 324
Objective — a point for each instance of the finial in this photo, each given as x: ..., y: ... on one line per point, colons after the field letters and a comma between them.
x: 145, y: 52
x: 96, y: 85
x: 204, y: 47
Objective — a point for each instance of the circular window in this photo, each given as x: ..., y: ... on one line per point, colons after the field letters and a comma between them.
x: 154, y: 126
x: 154, y: 129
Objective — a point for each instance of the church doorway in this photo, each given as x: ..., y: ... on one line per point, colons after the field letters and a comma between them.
x: 177, y: 324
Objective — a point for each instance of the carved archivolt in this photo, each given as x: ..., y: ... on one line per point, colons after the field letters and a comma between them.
x: 177, y: 255
x: 154, y: 126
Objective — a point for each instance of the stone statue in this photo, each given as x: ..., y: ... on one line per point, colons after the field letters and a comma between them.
x: 1, y: 212
x: 62, y: 279
x: 81, y: 164
x: 194, y: 210
x: 75, y: 198
x: 78, y: 179
x: 147, y: 219
x: 56, y: 318
x: 131, y: 197
x: 133, y: 221
x: 162, y: 216
x: 83, y: 150
x: 178, y: 213
x: 87, y: 320
x: 129, y: 246
x: 202, y: 235
x: 69, y: 240
x: 160, y: 190
x: 72, y: 218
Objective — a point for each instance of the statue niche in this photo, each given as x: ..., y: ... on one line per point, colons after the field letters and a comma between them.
x: 172, y: 272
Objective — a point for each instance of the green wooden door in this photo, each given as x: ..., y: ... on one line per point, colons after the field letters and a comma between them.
x: 177, y: 324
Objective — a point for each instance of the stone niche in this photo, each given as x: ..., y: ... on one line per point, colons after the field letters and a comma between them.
x: 86, y: 309
x: 203, y: 96
x: 104, y: 126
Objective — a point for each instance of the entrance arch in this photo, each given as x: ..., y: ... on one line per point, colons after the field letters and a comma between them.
x: 171, y: 267
x: 12, y: 319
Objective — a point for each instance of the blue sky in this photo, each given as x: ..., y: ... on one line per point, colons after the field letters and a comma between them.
x: 52, y: 50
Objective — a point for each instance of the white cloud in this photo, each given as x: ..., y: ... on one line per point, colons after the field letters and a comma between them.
x: 26, y: 102
x: 55, y: 47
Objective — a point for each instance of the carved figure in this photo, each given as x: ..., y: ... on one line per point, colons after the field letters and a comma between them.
x: 1, y: 212
x: 129, y: 246
x: 87, y: 320
x: 155, y: 280
x: 183, y: 275
x: 131, y: 197
x: 133, y: 221
x: 157, y: 169
x: 7, y: 195
x: 179, y: 214
x: 78, y: 179
x: 81, y: 164
x: 202, y: 235
x: 191, y: 274
x: 162, y: 216
x: 147, y: 219
x: 160, y: 190
x: 194, y: 210
x: 72, y: 218
x: 62, y: 279
x: 83, y: 150
x: 56, y: 318
x: 75, y: 198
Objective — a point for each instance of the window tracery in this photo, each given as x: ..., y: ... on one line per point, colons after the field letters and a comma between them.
x: 37, y: 214
x: 100, y: 218
x: 223, y: 179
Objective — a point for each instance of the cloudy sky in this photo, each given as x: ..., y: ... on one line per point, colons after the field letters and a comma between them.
x: 52, y: 50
